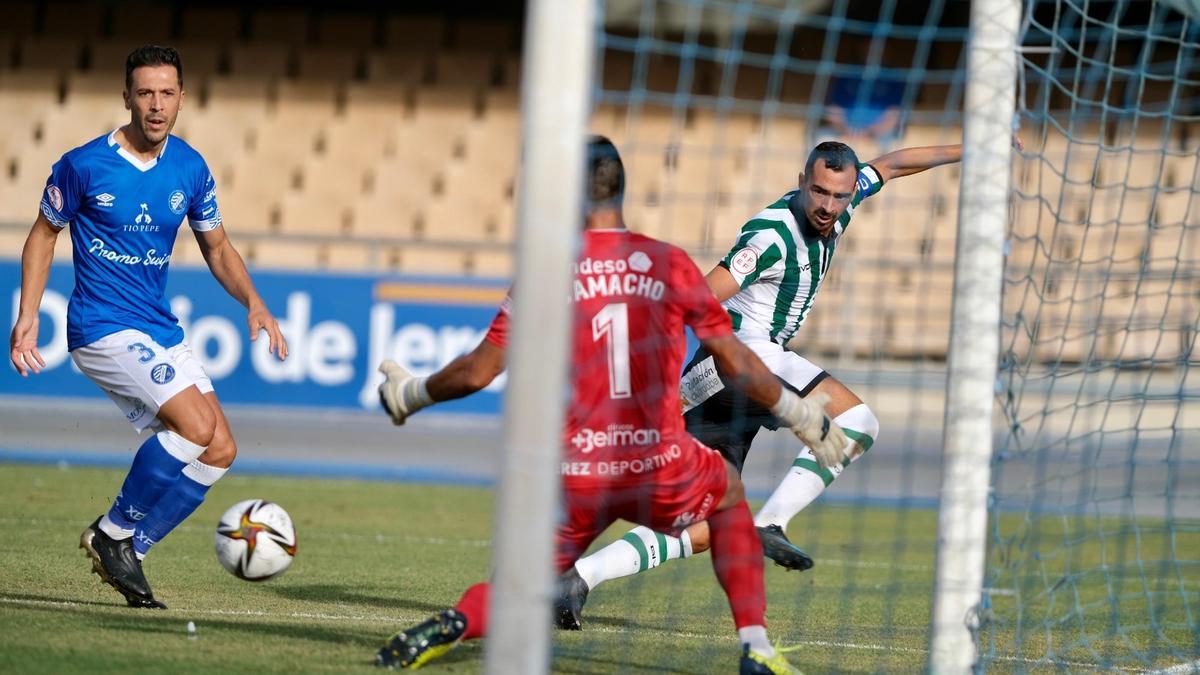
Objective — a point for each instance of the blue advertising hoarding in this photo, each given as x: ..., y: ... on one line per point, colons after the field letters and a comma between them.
x: 338, y: 327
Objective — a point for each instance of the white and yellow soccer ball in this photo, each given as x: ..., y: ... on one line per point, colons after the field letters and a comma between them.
x: 256, y: 540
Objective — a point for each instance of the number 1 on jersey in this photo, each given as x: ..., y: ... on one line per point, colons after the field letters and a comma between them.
x: 612, y: 321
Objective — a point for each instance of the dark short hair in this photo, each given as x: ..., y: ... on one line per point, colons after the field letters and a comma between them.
x: 152, y: 55
x: 837, y: 156
x: 606, y: 173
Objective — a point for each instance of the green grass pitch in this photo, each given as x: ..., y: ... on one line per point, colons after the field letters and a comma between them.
x: 374, y: 557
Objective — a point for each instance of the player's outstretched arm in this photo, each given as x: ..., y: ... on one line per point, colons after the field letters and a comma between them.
x: 403, y: 393
x: 230, y: 270
x: 907, y: 161
x: 35, y: 272
x: 806, y: 417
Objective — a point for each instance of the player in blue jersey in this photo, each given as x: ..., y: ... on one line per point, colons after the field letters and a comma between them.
x: 124, y: 196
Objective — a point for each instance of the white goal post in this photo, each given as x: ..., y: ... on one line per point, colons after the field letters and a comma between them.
x: 975, y: 336
x: 556, y: 82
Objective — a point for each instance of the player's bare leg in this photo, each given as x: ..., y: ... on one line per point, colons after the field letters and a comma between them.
x: 111, y: 540
x: 806, y: 480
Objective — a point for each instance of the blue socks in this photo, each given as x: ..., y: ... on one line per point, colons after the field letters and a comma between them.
x: 175, y: 505
x: 155, y: 468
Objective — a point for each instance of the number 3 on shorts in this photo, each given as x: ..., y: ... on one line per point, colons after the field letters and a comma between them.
x: 145, y: 354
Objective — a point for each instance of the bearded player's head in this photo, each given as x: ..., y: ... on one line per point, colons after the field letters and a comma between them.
x: 605, y: 177
x: 828, y: 183
x: 153, y: 93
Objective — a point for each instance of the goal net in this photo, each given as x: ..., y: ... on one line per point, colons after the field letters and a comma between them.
x: 1094, y: 558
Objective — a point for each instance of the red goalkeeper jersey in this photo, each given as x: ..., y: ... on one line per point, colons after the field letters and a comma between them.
x: 631, y: 296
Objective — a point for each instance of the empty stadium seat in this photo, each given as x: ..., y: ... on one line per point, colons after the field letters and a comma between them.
x: 280, y: 24
x: 431, y: 260
x: 490, y: 263
x: 384, y: 214
x: 337, y: 29
x: 354, y: 140
x: 215, y: 24
x: 246, y: 209
x: 75, y: 19
x: 143, y: 22
x: 20, y: 18
x: 415, y: 32
x: 330, y: 62
x: 371, y: 105
x: 302, y: 212
x: 260, y: 60
x: 277, y: 253
x: 470, y: 70
x: 242, y: 100
x: 410, y: 67
x: 56, y: 53
x: 493, y: 35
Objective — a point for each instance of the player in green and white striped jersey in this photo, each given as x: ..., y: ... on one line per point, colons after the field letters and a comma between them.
x: 768, y: 283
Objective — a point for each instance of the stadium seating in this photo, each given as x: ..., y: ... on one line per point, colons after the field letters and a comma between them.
x: 390, y: 143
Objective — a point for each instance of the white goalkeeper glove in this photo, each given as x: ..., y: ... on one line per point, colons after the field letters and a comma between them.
x: 807, y: 419
x: 402, y: 393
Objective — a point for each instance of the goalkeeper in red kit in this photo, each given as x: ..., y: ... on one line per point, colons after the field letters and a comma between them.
x: 626, y: 453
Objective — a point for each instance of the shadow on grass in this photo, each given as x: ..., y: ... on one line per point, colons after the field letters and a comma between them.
x: 60, y: 603
x: 338, y: 593
x: 588, y: 663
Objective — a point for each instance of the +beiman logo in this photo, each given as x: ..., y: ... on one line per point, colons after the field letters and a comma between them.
x: 144, y: 218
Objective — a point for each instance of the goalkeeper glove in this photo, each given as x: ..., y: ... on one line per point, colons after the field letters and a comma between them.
x: 402, y: 393
x: 807, y: 419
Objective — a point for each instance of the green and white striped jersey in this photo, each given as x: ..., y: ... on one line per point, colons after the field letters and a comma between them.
x: 779, y: 261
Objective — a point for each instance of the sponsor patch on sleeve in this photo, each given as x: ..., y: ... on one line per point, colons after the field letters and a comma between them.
x: 54, y: 195
x: 744, y: 261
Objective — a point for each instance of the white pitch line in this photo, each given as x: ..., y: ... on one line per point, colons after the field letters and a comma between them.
x: 682, y: 635
x: 1180, y: 669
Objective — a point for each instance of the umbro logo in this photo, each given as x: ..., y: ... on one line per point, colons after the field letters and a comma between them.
x: 106, y: 200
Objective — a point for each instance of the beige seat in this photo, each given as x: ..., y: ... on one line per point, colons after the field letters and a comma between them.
x: 260, y: 60
x: 403, y: 177
x: 329, y: 63
x: 385, y: 215
x: 305, y: 99
x: 222, y: 25
x: 56, y: 53
x: 144, y: 22
x: 75, y: 19
x: 354, y: 141
x: 287, y: 140
x: 444, y: 220
x: 278, y: 253
x: 319, y: 214
x: 494, y: 35
x: 685, y: 221
x: 24, y: 93
x: 241, y: 100
x: 220, y: 140
x: 431, y: 260
x: 409, y: 67
x: 20, y: 18
x: 340, y: 29
x: 352, y: 257
x: 415, y: 32
x: 280, y: 24
x: 245, y: 210
x: 373, y: 105
x: 466, y: 70
x: 493, y: 263
x: 334, y: 179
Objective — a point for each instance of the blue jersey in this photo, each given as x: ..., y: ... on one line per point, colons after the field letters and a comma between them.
x: 124, y: 215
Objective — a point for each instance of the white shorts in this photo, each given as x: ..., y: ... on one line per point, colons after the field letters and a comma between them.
x: 140, y: 375
x: 701, y: 380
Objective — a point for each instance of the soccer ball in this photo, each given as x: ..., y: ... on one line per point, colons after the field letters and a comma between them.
x: 256, y: 540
